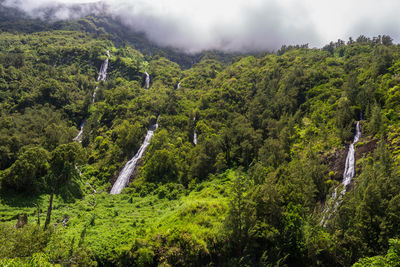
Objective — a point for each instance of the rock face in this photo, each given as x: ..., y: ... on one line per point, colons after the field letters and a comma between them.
x: 22, y: 220
x: 365, y: 148
x: 336, y: 160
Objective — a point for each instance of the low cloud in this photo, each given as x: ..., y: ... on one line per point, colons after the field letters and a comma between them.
x: 232, y: 25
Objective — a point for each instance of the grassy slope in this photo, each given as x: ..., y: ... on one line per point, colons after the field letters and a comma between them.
x: 113, y: 222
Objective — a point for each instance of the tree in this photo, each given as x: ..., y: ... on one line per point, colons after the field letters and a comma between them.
x: 50, y: 91
x: 240, y: 141
x: 292, y: 234
x: 206, y: 153
x: 27, y: 172
x: 272, y: 153
x: 344, y: 118
x: 329, y: 47
x: 128, y: 137
x: 351, y: 88
x: 392, y: 258
x: 239, y: 218
x: 57, y: 134
x: 387, y: 40
x: 383, y: 58
x: 161, y: 167
x: 62, y: 170
x: 375, y: 124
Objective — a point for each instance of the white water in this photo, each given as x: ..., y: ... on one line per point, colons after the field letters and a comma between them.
x: 130, y: 166
x: 79, y: 136
x: 102, y: 76
x: 178, y: 85
x: 348, y: 174
x: 79, y: 171
x: 195, y: 137
x: 194, y: 133
x: 147, y: 80
x: 80, y: 174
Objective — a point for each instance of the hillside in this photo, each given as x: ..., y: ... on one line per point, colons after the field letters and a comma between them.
x: 240, y: 170
x: 99, y: 25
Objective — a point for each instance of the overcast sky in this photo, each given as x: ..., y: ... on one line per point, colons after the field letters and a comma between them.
x: 243, y: 25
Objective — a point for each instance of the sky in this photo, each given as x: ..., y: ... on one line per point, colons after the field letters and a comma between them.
x: 240, y: 25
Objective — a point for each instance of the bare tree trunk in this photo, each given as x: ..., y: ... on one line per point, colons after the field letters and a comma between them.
x: 38, y: 213
x: 48, y: 217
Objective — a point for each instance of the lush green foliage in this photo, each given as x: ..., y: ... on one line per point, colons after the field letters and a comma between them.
x: 271, y: 132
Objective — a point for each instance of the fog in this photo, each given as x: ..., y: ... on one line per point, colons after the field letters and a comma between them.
x: 233, y: 25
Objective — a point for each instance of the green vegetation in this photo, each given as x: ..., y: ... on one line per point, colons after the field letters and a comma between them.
x: 273, y: 131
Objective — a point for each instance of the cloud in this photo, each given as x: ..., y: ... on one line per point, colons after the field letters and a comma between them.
x: 234, y: 25
x: 210, y: 24
x: 343, y: 18
x: 57, y: 9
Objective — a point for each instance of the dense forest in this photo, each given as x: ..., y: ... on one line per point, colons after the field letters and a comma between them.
x: 241, y: 170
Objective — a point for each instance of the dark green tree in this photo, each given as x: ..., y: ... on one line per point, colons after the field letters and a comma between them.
x: 27, y: 172
x: 62, y: 170
x: 240, y: 216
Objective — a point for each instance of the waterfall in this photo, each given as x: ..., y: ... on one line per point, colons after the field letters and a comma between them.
x: 78, y: 170
x: 147, y: 80
x: 79, y: 136
x: 102, y: 77
x: 348, y: 174
x: 194, y: 134
x: 103, y: 70
x: 80, y: 174
x: 178, y: 85
x: 94, y: 94
x: 130, y: 166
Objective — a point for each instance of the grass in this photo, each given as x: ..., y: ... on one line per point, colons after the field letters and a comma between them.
x: 110, y: 224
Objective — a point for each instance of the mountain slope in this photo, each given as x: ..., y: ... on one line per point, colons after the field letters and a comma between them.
x: 251, y: 191
x: 100, y: 25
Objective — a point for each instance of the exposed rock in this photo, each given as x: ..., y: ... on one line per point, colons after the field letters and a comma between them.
x: 363, y: 149
x: 336, y: 160
x: 22, y: 220
x: 64, y: 222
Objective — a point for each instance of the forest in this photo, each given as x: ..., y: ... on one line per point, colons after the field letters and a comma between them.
x: 241, y: 170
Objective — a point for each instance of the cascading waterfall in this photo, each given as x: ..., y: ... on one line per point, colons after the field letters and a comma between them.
x: 80, y: 174
x: 348, y: 175
x: 178, y: 85
x: 130, y: 166
x: 79, y: 136
x: 194, y: 134
x: 102, y: 77
x: 147, y: 80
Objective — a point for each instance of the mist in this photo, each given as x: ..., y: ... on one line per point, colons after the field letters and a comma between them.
x: 232, y: 25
